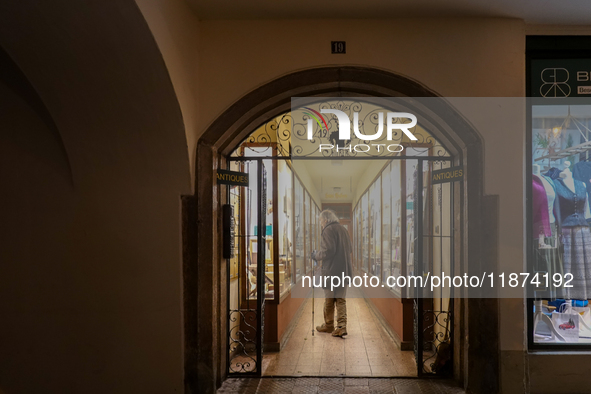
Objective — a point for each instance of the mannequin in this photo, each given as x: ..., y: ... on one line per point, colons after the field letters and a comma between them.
x: 550, y: 197
x: 545, y: 218
x: 571, y: 196
x: 567, y: 177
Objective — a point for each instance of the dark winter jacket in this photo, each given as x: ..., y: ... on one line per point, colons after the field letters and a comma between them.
x: 335, y: 251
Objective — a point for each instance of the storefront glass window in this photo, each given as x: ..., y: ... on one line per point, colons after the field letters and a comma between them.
x: 375, y: 220
x: 386, y: 222
x: 314, y: 231
x: 299, y: 229
x: 269, y: 252
x: 307, y: 246
x: 364, y: 233
x: 396, y: 243
x: 411, y: 173
x: 285, y: 215
x: 559, y: 183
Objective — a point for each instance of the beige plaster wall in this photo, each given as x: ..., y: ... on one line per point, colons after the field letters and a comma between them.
x: 175, y: 28
x: 454, y: 57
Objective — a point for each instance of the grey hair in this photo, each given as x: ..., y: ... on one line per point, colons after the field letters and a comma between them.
x: 328, y: 217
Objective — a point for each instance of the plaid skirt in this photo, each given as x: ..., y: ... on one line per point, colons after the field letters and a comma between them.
x: 577, y: 261
x: 548, y: 261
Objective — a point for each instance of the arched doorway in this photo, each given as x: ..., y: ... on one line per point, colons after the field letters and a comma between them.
x: 205, y: 270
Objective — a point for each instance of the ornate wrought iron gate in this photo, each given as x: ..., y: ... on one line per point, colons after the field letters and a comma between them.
x: 433, y: 237
x: 246, y: 272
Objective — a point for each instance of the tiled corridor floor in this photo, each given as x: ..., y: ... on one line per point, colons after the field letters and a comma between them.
x: 367, y: 350
x: 339, y: 385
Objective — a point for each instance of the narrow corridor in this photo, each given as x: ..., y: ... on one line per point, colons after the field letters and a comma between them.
x: 367, y: 350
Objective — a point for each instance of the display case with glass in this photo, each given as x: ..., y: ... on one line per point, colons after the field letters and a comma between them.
x: 357, y: 239
x: 386, y: 223
x: 235, y: 202
x: 396, y: 227
x: 285, y: 217
x: 314, y: 231
x: 365, y: 232
x: 307, y: 238
x: 270, y: 279
x: 299, y: 229
x: 377, y: 225
x: 375, y: 220
x: 251, y: 198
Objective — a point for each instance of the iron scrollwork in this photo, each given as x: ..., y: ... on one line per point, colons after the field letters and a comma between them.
x: 289, y: 134
x: 437, y: 349
x: 243, y: 341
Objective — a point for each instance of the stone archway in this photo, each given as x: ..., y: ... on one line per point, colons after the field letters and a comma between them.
x: 205, y: 321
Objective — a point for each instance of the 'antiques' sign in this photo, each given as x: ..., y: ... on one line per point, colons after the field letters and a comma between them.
x: 447, y: 175
x: 232, y: 178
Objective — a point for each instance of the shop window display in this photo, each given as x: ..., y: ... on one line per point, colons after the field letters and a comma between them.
x: 561, y: 248
x: 409, y: 207
x: 375, y: 220
x: 386, y: 220
x: 356, y: 239
x: 285, y: 215
x: 299, y: 229
x: 235, y: 201
x: 315, y: 231
x: 364, y: 233
x: 396, y: 231
x: 558, y: 194
x: 251, y: 199
x: 307, y: 239
x: 289, y: 205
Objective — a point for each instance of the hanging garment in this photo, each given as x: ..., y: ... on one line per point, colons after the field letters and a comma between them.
x: 582, y: 172
x: 541, y: 218
x: 576, y: 238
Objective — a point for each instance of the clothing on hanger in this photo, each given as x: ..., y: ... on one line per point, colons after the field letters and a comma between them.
x: 541, y: 217
x: 582, y: 172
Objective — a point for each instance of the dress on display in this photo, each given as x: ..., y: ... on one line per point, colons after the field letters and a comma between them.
x: 576, y: 238
x: 582, y: 172
x: 547, y: 256
x: 540, y: 208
